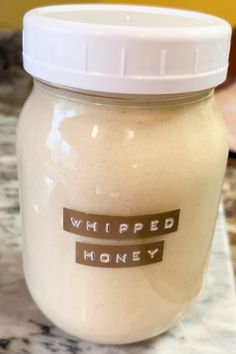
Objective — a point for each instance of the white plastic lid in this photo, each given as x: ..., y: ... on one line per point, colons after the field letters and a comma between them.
x: 125, y: 48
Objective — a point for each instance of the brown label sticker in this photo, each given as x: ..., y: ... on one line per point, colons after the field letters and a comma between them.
x: 120, y: 227
x: 119, y: 256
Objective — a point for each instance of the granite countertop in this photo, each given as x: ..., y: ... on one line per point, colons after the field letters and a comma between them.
x: 209, y: 328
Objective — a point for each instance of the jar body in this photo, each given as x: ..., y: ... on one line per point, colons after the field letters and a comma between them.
x: 119, y: 158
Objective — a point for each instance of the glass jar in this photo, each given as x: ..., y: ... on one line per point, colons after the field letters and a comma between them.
x: 119, y: 190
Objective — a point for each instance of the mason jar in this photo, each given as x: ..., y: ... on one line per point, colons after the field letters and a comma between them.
x: 121, y: 158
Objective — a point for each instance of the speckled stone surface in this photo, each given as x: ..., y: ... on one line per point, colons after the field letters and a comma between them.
x: 229, y: 197
x: 209, y: 328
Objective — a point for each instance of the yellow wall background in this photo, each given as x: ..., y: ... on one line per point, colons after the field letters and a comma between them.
x: 12, y: 11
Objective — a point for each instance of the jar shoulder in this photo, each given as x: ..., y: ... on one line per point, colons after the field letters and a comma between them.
x: 121, y: 152
x: 185, y: 126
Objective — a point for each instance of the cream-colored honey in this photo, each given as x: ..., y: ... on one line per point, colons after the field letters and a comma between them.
x: 118, y: 156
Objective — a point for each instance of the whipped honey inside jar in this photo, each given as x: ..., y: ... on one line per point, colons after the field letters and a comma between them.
x: 121, y: 159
